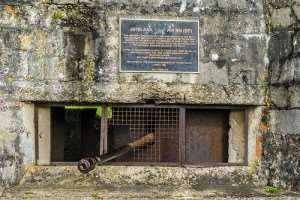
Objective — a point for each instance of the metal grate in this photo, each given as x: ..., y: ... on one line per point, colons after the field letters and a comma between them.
x: 131, y: 123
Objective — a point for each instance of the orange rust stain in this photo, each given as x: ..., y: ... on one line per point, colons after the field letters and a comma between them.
x: 258, y: 147
x: 263, y: 127
x: 9, y: 10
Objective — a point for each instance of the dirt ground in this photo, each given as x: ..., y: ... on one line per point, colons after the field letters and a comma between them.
x: 142, y: 192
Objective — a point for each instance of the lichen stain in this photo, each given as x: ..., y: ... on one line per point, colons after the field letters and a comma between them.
x: 35, y: 39
x: 45, y: 1
x: 25, y: 41
x: 40, y: 43
x: 77, y: 18
x: 9, y: 10
x: 58, y: 14
x: 8, y: 79
x: 88, y: 64
x: 253, y: 166
x: 28, y: 78
x: 32, y: 169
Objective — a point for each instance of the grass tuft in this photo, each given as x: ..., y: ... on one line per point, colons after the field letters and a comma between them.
x: 271, y: 190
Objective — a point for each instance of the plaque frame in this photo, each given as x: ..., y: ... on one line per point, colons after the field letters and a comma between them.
x: 134, y: 18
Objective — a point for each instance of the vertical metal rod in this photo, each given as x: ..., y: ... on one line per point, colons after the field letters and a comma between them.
x: 182, y: 113
x: 103, y: 130
x: 35, y: 134
x: 246, y: 132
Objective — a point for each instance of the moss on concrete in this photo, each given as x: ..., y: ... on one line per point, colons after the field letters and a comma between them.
x: 58, y: 14
x: 88, y: 68
x: 25, y: 40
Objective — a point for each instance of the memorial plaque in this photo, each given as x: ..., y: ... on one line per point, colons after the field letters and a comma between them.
x: 152, y: 45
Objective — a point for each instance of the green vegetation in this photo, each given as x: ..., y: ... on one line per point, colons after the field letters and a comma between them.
x: 98, y: 109
x: 29, y: 194
x: 58, y: 14
x: 271, y: 190
x: 96, y: 196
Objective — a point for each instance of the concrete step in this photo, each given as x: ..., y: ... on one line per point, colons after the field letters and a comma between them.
x: 142, y: 192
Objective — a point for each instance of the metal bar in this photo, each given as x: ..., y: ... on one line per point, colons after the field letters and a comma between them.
x: 216, y: 107
x: 246, y: 126
x: 63, y: 163
x: 104, y: 130
x: 35, y: 135
x: 144, y: 105
x: 188, y: 106
x: 169, y: 164
x: 200, y: 106
x: 182, y: 112
x: 162, y: 105
x: 204, y: 165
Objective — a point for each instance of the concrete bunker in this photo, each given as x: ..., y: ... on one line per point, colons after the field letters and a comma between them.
x: 71, y: 51
x: 183, y: 134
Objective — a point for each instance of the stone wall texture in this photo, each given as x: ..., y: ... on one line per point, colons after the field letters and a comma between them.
x: 67, y: 51
x: 281, y: 144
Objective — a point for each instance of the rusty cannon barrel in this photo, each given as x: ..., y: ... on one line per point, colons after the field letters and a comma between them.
x: 86, y: 165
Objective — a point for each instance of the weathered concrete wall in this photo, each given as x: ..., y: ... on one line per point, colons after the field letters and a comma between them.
x: 67, y: 51
x: 281, y: 153
x: 16, y: 146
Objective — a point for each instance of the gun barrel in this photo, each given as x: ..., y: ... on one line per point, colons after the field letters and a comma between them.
x: 86, y: 165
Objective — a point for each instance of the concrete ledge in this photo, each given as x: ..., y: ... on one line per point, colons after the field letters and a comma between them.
x: 55, y: 91
x: 117, y: 176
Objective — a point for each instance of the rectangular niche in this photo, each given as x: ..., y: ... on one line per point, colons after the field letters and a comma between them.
x: 183, y: 135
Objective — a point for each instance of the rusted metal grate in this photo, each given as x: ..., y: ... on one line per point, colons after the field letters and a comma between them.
x: 130, y: 123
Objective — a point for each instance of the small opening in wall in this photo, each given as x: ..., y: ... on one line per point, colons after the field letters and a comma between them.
x: 75, y: 133
x: 182, y: 134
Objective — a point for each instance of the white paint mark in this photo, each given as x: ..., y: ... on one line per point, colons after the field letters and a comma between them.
x: 61, y: 76
x: 214, y: 57
x: 161, y: 2
x: 101, y: 71
x: 183, y: 6
x: 237, y: 50
x: 33, y: 17
x: 196, y: 9
x: 266, y: 60
x: 248, y: 36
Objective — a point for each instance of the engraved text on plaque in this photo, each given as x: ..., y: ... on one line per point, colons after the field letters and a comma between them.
x: 149, y: 45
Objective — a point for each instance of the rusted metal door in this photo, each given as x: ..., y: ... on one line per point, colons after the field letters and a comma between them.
x: 206, y: 136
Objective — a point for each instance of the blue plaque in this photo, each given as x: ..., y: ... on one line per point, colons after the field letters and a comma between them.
x: 157, y: 45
